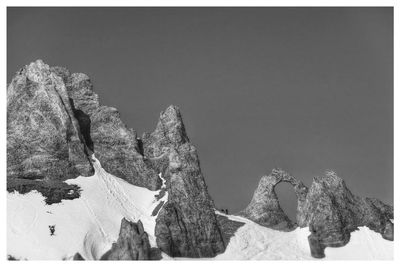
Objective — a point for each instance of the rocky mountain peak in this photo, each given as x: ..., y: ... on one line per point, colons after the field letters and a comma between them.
x: 171, y: 126
x: 328, y: 208
x: 44, y: 140
x: 37, y: 71
x: 186, y: 225
x: 330, y: 179
x: 54, y: 124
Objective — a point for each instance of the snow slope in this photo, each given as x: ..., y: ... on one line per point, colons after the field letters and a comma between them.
x: 255, y: 242
x: 91, y: 223
x: 88, y: 225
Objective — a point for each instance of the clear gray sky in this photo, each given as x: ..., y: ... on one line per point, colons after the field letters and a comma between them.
x: 304, y: 89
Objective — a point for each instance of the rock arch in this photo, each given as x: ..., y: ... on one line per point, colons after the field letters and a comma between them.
x: 264, y: 207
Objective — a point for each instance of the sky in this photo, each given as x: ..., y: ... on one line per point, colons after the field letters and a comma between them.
x: 303, y: 89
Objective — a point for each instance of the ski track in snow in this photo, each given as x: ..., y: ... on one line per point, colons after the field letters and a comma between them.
x: 96, y: 219
x: 111, y: 186
x: 91, y: 223
x: 88, y: 225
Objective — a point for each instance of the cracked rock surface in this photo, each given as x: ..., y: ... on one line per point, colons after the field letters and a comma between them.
x: 186, y: 225
x: 115, y: 145
x: 332, y: 212
x: 328, y: 208
x: 132, y: 244
x: 264, y: 207
x: 44, y: 140
x: 55, y: 123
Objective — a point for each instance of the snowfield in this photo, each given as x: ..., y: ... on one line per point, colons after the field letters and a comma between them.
x: 255, y: 242
x: 90, y: 224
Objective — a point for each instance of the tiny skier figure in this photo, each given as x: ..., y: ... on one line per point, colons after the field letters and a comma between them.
x: 52, y: 229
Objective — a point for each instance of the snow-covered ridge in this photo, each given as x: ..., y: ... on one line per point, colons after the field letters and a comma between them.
x: 90, y: 224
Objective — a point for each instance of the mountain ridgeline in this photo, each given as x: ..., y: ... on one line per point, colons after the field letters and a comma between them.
x: 55, y: 124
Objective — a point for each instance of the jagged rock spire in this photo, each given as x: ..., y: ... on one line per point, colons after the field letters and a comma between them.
x: 186, y: 225
x: 132, y: 244
x: 170, y: 131
x: 171, y: 124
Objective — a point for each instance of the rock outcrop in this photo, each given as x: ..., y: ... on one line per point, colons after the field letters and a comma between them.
x: 328, y: 208
x: 186, y: 225
x: 228, y: 227
x: 332, y: 212
x: 132, y: 244
x: 55, y: 123
x: 115, y: 146
x: 264, y: 207
x: 44, y: 140
x: 78, y: 257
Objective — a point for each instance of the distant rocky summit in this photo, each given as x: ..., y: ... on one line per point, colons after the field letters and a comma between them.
x: 328, y: 208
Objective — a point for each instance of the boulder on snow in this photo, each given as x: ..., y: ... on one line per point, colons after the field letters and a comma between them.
x: 388, y: 233
x: 317, y: 249
x: 132, y: 244
x: 78, y: 257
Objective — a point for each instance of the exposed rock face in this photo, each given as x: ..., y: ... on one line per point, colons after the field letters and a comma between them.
x: 115, y: 146
x: 78, y: 257
x: 228, y: 227
x: 186, y: 225
x: 328, y: 208
x: 132, y: 244
x: 53, y: 191
x: 264, y: 207
x: 332, y: 212
x: 43, y: 136
x: 54, y: 124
